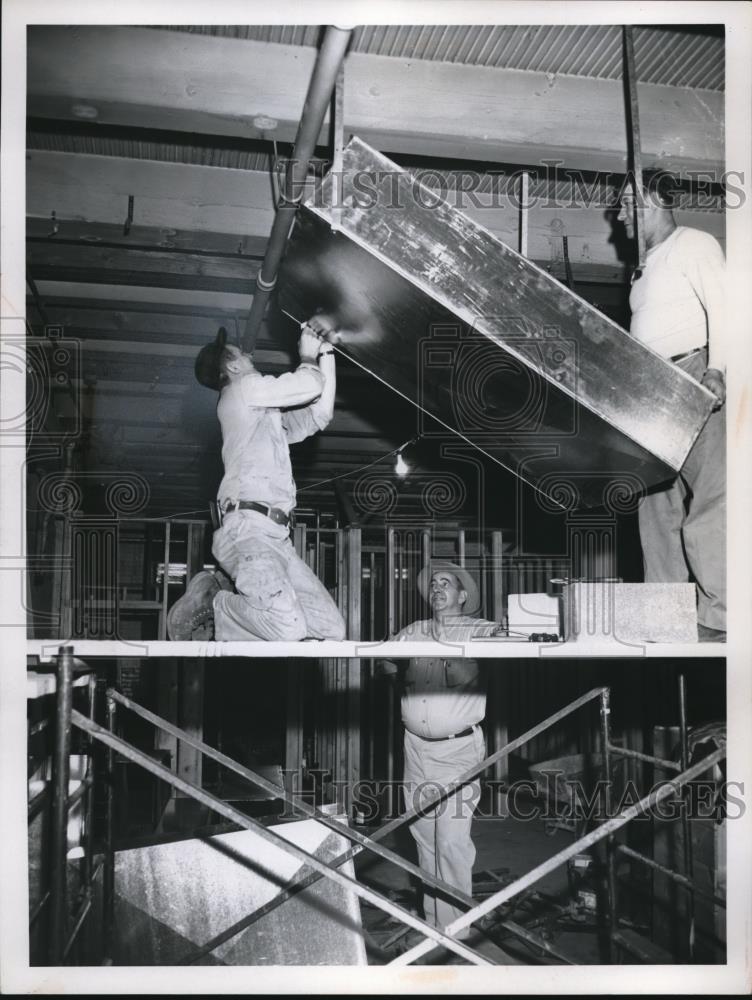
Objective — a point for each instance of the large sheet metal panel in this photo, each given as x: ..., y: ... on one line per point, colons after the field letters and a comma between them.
x: 485, y: 341
x: 172, y: 898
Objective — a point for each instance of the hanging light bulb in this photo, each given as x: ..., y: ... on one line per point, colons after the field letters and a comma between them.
x: 400, y: 466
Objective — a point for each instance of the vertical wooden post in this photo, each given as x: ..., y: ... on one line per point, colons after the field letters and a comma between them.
x: 294, y: 729
x: 498, y: 680
x: 191, y: 673
x: 165, y: 583
x: 497, y: 595
x: 60, y: 790
x: 62, y: 576
x: 167, y: 707
x: 194, y: 550
x: 353, y: 666
x: 390, y: 568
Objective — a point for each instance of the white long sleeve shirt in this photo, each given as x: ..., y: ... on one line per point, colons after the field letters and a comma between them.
x: 679, y: 302
x: 257, y: 431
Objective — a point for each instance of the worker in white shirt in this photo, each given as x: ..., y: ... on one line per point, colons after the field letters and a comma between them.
x: 678, y: 309
x: 278, y: 596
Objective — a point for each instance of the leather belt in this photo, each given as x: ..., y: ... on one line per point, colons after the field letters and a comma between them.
x: 273, y: 513
x: 455, y: 736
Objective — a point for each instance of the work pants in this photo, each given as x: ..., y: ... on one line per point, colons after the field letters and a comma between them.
x: 683, y: 527
x: 278, y: 596
x: 442, y: 835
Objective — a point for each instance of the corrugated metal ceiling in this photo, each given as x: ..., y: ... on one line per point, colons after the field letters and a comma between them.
x: 681, y: 56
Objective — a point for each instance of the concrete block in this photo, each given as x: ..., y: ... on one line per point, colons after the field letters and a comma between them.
x: 630, y: 612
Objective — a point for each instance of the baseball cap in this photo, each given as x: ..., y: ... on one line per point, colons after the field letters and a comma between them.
x: 208, y: 363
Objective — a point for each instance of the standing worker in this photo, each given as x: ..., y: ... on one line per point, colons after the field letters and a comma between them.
x: 278, y: 595
x: 678, y: 309
x: 443, y: 705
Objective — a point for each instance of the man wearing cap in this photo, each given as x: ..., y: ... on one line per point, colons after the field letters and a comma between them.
x: 678, y: 309
x: 443, y: 705
x: 278, y: 596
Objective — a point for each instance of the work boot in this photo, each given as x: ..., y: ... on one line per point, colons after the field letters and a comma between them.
x: 191, y: 618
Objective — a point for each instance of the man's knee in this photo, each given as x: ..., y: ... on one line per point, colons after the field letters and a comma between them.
x: 291, y: 629
x: 262, y: 580
x: 336, y: 630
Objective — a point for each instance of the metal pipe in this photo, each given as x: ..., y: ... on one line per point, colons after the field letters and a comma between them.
x: 606, y: 829
x: 302, y: 882
x: 60, y: 781
x: 108, y: 877
x: 686, y: 833
x: 633, y: 112
x: 669, y: 765
x: 88, y: 783
x: 38, y: 801
x: 319, y: 95
x: 612, y: 920
x: 328, y: 870
x: 34, y: 915
x: 669, y: 873
x: 82, y: 914
x: 279, y: 793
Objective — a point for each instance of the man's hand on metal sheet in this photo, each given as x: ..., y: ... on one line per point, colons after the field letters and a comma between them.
x: 713, y: 379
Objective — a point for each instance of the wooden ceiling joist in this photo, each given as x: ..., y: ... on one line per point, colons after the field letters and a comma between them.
x: 212, y: 85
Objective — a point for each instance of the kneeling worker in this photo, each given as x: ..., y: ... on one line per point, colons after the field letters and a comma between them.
x: 278, y: 596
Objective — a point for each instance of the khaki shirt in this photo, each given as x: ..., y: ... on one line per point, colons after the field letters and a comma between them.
x: 256, y: 433
x: 442, y: 695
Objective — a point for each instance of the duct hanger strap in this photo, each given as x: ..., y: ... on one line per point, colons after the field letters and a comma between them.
x: 285, y: 202
x: 636, y: 145
x: 265, y: 286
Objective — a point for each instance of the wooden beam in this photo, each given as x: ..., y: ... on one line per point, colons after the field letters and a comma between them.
x: 213, y: 85
x: 197, y: 198
x: 82, y: 188
x: 74, y: 262
x: 146, y: 238
x: 161, y: 298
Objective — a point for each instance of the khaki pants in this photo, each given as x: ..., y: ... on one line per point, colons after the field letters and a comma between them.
x: 683, y: 527
x: 445, y: 848
x: 279, y: 597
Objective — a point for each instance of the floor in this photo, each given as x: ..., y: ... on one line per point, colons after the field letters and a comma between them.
x: 506, y: 850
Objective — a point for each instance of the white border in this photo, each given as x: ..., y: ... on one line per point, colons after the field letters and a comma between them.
x: 14, y: 972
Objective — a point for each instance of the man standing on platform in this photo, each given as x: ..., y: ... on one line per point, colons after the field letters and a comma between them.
x: 443, y: 705
x: 277, y: 595
x: 678, y: 309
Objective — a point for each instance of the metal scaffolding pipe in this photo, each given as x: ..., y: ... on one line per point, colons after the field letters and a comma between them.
x: 607, y: 829
x: 686, y: 833
x: 60, y: 782
x: 605, y: 712
x: 302, y: 881
x: 682, y: 880
x: 321, y: 817
x: 320, y: 90
x: 668, y: 765
x: 295, y: 803
x: 328, y: 870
